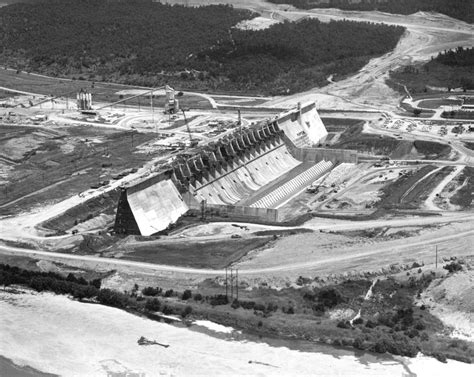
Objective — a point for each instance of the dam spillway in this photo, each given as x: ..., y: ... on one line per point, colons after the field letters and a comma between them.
x: 246, y: 174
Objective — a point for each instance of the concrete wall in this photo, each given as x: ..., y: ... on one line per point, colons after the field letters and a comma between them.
x: 303, y: 126
x: 318, y: 154
x: 236, y: 213
x: 156, y: 207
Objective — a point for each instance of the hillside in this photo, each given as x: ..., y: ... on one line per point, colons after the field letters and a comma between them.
x: 450, y: 69
x: 460, y: 9
x: 147, y: 43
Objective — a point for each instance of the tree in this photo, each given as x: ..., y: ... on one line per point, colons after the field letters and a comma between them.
x: 153, y: 305
x: 186, y: 294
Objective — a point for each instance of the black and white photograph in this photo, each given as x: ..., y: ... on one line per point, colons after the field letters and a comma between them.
x: 236, y: 188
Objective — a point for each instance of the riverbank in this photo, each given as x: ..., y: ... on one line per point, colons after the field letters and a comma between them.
x: 373, y: 314
x: 57, y: 335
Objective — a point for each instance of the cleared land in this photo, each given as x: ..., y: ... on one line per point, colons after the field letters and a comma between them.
x: 47, y: 165
x: 211, y: 254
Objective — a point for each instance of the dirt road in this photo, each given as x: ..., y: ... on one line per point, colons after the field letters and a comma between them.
x: 457, y: 238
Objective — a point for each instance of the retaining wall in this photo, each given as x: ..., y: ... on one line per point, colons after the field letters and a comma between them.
x: 318, y: 154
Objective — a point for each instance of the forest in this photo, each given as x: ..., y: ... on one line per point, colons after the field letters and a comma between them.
x: 147, y: 43
x: 460, y: 9
x: 449, y: 69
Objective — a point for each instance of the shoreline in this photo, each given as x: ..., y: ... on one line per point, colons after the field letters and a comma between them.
x: 341, y: 358
x: 9, y: 368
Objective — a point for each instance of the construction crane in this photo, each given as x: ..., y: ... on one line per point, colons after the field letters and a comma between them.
x: 192, y: 143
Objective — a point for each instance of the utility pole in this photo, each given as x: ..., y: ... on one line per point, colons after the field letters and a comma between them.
x: 203, y: 210
x: 231, y: 284
x: 237, y: 284
x: 152, y: 110
x: 226, y: 286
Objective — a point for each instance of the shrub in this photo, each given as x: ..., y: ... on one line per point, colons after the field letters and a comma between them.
x: 420, y: 326
x: 379, y: 346
x: 167, y: 310
x: 186, y: 294
x: 343, y: 324
x: 249, y: 305
x: 235, y: 304
x: 318, y: 309
x: 370, y: 324
x: 96, y: 283
x: 405, y: 316
x: 359, y: 343
x: 153, y: 305
x: 358, y: 321
x: 112, y: 298
x: 169, y: 293
x: 219, y: 300
x: 290, y: 310
x: 271, y: 307
x: 150, y: 291
x: 259, y: 307
x: 330, y: 297
x: 385, y: 320
x: 187, y: 311
x: 440, y: 357
x: 71, y: 278
x: 198, y: 297
x: 302, y: 281
x: 412, y: 333
x: 453, y: 267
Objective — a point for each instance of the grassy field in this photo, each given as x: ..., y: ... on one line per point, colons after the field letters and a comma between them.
x: 408, y: 192
x: 469, y: 145
x: 213, y: 254
x: 353, y: 138
x: 465, y: 196
x: 106, y: 204
x: 436, y: 103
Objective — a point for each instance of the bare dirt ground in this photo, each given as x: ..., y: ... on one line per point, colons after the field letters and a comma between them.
x: 257, y: 23
x: 452, y: 300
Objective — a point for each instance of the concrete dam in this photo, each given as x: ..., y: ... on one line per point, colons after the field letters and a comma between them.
x: 245, y: 176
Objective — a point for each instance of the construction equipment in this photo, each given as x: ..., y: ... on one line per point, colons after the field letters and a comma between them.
x: 192, y: 142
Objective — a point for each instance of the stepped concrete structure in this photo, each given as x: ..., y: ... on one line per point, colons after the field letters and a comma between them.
x: 303, y: 126
x: 244, y: 176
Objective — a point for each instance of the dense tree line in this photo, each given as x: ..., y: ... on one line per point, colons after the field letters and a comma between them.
x: 460, y: 9
x: 148, y: 43
x: 291, y: 53
x: 450, y: 69
x: 458, y: 57
x: 49, y: 281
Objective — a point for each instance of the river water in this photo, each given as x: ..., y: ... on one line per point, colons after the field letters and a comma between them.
x: 53, y: 334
